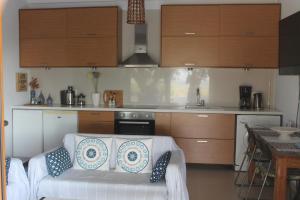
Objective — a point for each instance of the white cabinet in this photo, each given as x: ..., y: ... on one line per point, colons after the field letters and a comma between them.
x: 27, y: 133
x: 56, y: 125
x: 242, y: 135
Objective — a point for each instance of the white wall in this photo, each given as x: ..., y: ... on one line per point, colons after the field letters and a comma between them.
x: 11, y: 64
x: 149, y: 4
x: 287, y: 86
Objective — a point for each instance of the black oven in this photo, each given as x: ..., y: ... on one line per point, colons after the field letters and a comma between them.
x: 135, y: 123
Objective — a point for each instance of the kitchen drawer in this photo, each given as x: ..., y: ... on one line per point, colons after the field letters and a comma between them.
x: 215, y: 126
x: 96, y: 122
x: 91, y: 116
x: 96, y: 127
x: 207, y: 151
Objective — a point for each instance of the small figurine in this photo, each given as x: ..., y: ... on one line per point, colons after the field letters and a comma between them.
x: 49, y: 100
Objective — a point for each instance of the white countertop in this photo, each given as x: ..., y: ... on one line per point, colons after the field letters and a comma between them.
x: 219, y: 110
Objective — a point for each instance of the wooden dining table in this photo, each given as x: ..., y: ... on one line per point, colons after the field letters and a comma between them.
x: 285, y: 148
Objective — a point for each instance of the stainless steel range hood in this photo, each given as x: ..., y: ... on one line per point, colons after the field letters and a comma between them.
x: 140, y: 58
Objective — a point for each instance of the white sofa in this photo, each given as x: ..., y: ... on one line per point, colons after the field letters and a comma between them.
x: 18, y: 185
x: 111, y: 185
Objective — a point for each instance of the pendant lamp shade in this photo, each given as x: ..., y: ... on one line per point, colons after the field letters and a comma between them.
x: 136, y: 12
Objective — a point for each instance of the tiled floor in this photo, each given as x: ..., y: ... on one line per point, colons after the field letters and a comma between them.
x: 214, y: 183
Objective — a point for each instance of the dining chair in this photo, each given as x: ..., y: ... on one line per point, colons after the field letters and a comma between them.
x: 254, y: 155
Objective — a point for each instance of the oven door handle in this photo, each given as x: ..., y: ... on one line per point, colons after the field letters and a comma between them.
x: 133, y: 122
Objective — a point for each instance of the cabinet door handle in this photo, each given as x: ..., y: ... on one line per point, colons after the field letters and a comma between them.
x: 202, y: 141
x: 90, y: 34
x: 249, y: 33
x: 202, y: 116
x: 92, y: 64
x: 189, y: 64
x: 189, y: 33
x: 95, y: 113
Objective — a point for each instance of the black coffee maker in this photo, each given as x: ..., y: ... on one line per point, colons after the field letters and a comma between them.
x: 245, y: 96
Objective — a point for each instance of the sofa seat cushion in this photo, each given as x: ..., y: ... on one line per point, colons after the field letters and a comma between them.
x: 104, y: 185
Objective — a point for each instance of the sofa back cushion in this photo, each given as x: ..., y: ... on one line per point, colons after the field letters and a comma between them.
x: 134, y: 155
x: 160, y: 144
x: 92, y: 153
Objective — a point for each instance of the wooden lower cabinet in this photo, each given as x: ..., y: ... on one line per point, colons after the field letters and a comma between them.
x: 207, y: 151
x: 96, y: 122
x: 199, y: 125
x: 162, y: 123
x: 205, y: 138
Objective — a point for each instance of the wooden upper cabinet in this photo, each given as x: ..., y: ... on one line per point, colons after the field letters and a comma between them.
x: 250, y: 52
x: 92, y: 52
x: 69, y: 37
x: 92, y: 22
x: 190, y: 52
x: 43, y: 52
x: 250, y: 20
x: 190, y: 20
x: 43, y: 23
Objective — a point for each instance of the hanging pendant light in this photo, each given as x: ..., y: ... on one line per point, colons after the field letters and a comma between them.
x: 136, y: 12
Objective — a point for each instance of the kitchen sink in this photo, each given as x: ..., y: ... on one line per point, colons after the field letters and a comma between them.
x: 198, y: 107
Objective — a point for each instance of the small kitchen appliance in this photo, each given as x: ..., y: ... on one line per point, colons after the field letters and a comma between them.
x: 245, y: 96
x: 258, y: 101
x: 67, y: 97
x: 81, y: 99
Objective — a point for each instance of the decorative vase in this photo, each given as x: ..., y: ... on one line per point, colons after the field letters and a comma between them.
x: 96, y: 99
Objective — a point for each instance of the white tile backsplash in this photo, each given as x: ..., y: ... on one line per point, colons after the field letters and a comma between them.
x: 161, y: 86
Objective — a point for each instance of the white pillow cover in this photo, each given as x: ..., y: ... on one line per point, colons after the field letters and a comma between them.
x: 92, y: 153
x: 134, y: 155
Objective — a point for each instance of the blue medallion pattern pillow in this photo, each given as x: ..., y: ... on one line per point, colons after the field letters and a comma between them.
x: 92, y: 153
x: 58, y: 161
x: 134, y: 156
x: 7, y: 165
x: 160, y: 168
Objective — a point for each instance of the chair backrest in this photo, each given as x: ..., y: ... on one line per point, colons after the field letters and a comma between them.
x: 160, y: 144
x: 251, y: 137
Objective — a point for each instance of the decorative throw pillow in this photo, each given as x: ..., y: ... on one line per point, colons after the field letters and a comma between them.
x: 160, y: 168
x: 7, y: 165
x: 134, y: 156
x: 92, y: 153
x: 58, y: 161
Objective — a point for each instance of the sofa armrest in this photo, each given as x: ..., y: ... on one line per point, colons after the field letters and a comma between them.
x: 17, y: 181
x: 37, y: 170
x: 176, y: 177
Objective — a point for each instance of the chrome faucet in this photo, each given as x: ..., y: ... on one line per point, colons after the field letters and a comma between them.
x: 200, y: 102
